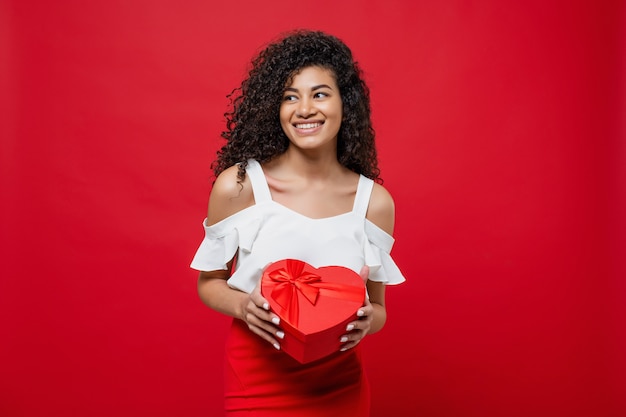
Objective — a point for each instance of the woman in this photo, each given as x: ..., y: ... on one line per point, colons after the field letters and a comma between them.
x: 296, y: 179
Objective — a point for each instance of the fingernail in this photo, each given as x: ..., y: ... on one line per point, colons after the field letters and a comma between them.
x: 276, y: 346
x: 276, y: 320
x: 343, y: 349
x: 266, y: 306
x: 360, y: 313
x: 343, y: 339
x: 349, y: 327
x: 280, y: 335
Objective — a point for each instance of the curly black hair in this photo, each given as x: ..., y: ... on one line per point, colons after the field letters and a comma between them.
x: 253, y: 129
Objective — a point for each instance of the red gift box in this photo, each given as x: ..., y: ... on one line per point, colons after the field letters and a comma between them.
x: 314, y: 305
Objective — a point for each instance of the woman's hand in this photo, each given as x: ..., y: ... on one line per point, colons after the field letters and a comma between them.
x: 360, y: 327
x: 260, y: 320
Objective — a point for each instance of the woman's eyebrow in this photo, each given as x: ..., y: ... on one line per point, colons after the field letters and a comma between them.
x: 317, y: 87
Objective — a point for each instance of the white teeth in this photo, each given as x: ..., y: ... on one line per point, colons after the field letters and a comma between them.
x: 307, y: 125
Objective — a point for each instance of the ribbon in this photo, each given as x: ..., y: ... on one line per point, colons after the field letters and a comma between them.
x: 292, y: 279
x: 289, y: 281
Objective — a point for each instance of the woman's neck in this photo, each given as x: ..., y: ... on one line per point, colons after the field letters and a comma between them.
x: 312, y: 165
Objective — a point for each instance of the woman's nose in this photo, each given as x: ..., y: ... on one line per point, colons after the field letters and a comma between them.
x: 305, y: 108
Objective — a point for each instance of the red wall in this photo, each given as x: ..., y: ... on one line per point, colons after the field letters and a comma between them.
x: 501, y: 130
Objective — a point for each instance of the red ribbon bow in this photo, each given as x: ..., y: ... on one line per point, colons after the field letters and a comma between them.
x: 290, y: 280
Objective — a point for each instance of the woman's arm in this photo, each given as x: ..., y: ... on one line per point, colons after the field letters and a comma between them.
x: 373, y: 314
x: 251, y: 308
x: 227, y: 198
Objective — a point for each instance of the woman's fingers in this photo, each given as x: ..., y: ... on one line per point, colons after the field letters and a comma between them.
x: 359, y: 328
x: 266, y: 336
x: 261, y: 321
x: 354, y: 336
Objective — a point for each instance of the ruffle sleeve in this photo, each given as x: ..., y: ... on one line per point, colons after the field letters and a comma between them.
x: 223, y: 239
x: 377, y: 256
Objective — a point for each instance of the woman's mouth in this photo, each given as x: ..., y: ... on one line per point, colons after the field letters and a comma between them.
x: 307, y: 126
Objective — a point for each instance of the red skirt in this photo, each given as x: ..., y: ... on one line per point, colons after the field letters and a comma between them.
x: 261, y: 381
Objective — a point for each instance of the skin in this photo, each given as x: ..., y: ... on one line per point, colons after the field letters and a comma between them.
x: 304, y: 178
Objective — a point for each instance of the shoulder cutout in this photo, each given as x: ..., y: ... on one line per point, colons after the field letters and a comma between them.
x: 381, y: 209
x: 229, y: 196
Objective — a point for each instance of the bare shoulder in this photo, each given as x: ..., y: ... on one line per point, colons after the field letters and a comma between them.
x: 229, y: 196
x: 381, y: 209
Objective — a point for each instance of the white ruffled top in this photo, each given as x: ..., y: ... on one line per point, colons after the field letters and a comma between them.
x: 268, y: 232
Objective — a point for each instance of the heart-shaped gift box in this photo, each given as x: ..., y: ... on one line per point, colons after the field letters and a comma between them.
x: 314, y: 304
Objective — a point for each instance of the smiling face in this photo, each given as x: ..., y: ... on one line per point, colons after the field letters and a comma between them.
x: 311, y: 110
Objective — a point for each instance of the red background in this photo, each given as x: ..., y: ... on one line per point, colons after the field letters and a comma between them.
x: 501, y: 128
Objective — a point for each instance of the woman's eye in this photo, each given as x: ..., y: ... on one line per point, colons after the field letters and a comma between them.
x: 289, y: 98
x: 320, y: 95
